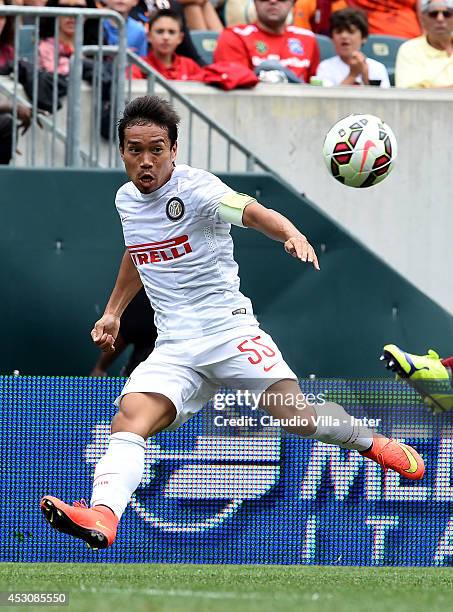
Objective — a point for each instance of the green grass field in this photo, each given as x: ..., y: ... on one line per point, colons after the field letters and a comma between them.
x: 220, y: 588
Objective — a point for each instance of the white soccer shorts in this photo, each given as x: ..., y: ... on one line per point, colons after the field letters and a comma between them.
x: 190, y: 372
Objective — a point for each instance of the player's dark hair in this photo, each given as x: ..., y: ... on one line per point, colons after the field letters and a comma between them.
x: 348, y: 17
x: 146, y: 110
x: 167, y: 13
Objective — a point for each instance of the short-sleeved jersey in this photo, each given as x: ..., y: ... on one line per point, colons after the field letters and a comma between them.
x: 296, y: 48
x: 183, y: 252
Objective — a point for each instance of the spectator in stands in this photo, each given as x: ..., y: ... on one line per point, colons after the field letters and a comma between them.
x: 6, y: 41
x: 46, y: 49
x: 349, y: 31
x: 201, y: 15
x: 165, y: 35
x: 136, y: 33
x: 137, y: 329
x: 47, y: 24
x: 295, y: 49
x: 6, y: 110
x: 427, y: 61
x: 315, y: 14
x: 391, y: 17
x: 6, y: 126
x: 144, y: 12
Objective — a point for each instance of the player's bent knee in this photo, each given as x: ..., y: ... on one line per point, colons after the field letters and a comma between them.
x: 144, y: 414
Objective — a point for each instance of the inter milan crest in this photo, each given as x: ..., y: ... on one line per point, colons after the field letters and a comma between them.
x: 175, y: 209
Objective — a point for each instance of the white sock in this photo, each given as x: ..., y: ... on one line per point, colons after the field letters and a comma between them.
x: 346, y: 434
x: 119, y: 472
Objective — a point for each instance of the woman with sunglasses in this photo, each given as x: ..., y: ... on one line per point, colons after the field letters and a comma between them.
x: 427, y: 61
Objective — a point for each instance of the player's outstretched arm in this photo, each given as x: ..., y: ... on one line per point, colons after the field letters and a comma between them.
x: 127, y: 285
x: 276, y: 226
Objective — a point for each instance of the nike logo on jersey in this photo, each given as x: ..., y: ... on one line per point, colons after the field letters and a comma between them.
x: 156, y: 252
x: 270, y: 367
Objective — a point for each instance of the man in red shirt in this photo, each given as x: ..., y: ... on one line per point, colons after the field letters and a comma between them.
x: 270, y: 39
x: 165, y: 35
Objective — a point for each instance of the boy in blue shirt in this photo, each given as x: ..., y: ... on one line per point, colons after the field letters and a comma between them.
x: 136, y: 33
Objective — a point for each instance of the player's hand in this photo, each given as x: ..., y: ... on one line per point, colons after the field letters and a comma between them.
x: 299, y: 247
x: 105, y: 331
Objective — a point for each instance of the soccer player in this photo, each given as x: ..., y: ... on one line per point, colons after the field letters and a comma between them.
x: 176, y: 223
x: 429, y: 375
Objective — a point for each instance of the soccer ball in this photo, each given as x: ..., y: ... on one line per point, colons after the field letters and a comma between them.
x: 359, y: 150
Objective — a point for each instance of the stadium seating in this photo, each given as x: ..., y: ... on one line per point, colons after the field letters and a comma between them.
x: 384, y: 49
x: 205, y: 43
x: 326, y: 48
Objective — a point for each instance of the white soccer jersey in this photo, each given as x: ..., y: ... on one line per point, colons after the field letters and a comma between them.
x: 183, y: 252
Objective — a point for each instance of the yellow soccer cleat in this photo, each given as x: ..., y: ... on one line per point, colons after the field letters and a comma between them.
x: 425, y: 373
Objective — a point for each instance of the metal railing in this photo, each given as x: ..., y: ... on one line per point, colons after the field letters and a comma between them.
x: 67, y: 129
x: 83, y: 132
x: 212, y: 128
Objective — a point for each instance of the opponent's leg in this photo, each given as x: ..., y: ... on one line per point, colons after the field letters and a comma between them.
x: 429, y: 375
x: 331, y: 424
x: 117, y: 474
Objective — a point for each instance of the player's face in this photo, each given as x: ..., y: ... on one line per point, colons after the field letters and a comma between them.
x: 273, y: 13
x: 148, y: 156
x: 347, y: 41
